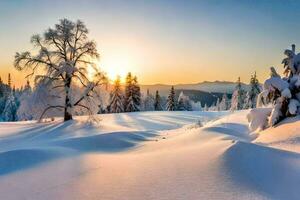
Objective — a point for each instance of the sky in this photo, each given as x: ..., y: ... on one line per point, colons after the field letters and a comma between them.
x: 166, y: 41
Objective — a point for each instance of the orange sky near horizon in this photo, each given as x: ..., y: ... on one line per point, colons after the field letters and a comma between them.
x: 167, y: 42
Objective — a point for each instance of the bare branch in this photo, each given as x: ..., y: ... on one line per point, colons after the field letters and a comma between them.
x: 48, y: 108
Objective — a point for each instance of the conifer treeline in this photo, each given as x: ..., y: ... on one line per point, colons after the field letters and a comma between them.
x: 127, y: 101
x: 128, y: 98
x: 10, y: 99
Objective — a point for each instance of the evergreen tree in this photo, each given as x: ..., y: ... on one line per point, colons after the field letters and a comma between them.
x: 171, y: 103
x: 238, y: 97
x: 157, y: 102
x: 136, y: 94
x: 9, y: 81
x: 27, y: 87
x: 117, y: 99
x: 251, y: 96
x: 148, y: 102
x: 184, y: 102
x: 218, y: 105
x: 128, y: 104
x: 224, y: 103
x: 283, y: 92
x: 25, y: 101
x: 132, y: 94
x: 212, y: 107
x: 10, y: 110
x: 205, y: 107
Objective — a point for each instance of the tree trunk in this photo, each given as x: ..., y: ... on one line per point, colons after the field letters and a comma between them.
x: 67, y: 114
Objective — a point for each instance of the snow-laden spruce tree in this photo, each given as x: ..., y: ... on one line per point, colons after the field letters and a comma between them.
x: 251, y: 95
x: 180, y: 103
x: 148, y: 102
x: 238, y: 97
x: 205, y: 108
x: 157, y: 102
x: 197, y: 106
x: 10, y: 109
x: 184, y: 102
x: 132, y: 94
x: 64, y: 60
x: 218, y: 105
x: 282, y: 93
x: 117, y: 97
x: 136, y: 94
x: 24, y: 111
x: 4, y: 91
x: 212, y: 107
x: 171, y: 102
x: 224, y: 105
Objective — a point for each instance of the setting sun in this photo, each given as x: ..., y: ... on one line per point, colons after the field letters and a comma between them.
x: 118, y: 65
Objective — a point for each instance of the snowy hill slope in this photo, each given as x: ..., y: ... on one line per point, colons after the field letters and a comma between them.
x: 146, y: 155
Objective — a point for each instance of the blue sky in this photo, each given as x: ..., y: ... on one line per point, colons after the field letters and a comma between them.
x: 164, y: 41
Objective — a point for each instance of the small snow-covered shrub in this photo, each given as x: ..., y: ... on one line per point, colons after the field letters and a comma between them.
x: 198, y: 124
x: 283, y: 93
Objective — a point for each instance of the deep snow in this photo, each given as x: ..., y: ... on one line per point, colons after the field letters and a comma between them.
x: 150, y: 155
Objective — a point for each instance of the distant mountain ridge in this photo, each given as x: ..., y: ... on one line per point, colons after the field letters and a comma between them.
x: 208, y: 98
x: 206, y: 86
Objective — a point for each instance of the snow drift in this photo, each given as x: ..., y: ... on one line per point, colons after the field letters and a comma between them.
x: 150, y: 155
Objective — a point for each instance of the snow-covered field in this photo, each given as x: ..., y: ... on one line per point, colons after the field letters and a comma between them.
x: 150, y: 155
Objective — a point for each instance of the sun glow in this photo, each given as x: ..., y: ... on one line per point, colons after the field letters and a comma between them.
x: 91, y: 72
x: 118, y: 65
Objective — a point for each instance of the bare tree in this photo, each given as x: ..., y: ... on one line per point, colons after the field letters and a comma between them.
x: 64, y: 58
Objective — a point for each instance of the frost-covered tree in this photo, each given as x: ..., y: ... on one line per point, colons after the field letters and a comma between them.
x: 136, y: 94
x: 283, y: 92
x: 212, y: 107
x: 197, y: 106
x: 218, y: 105
x: 171, y: 102
x: 64, y: 60
x: 251, y: 96
x: 157, y: 102
x: 224, y: 105
x: 238, y: 97
x: 4, y: 93
x: 27, y: 88
x: 117, y: 98
x: 148, y: 102
x: 184, y: 102
x: 24, y: 111
x: 128, y: 102
x: 205, y: 108
x: 10, y: 109
x: 180, y: 103
x: 132, y: 94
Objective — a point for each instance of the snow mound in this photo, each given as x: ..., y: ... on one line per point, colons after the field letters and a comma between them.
x: 28, y: 144
x: 108, y: 142
x: 150, y: 155
x: 275, y: 173
x: 14, y: 160
x: 286, y: 135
